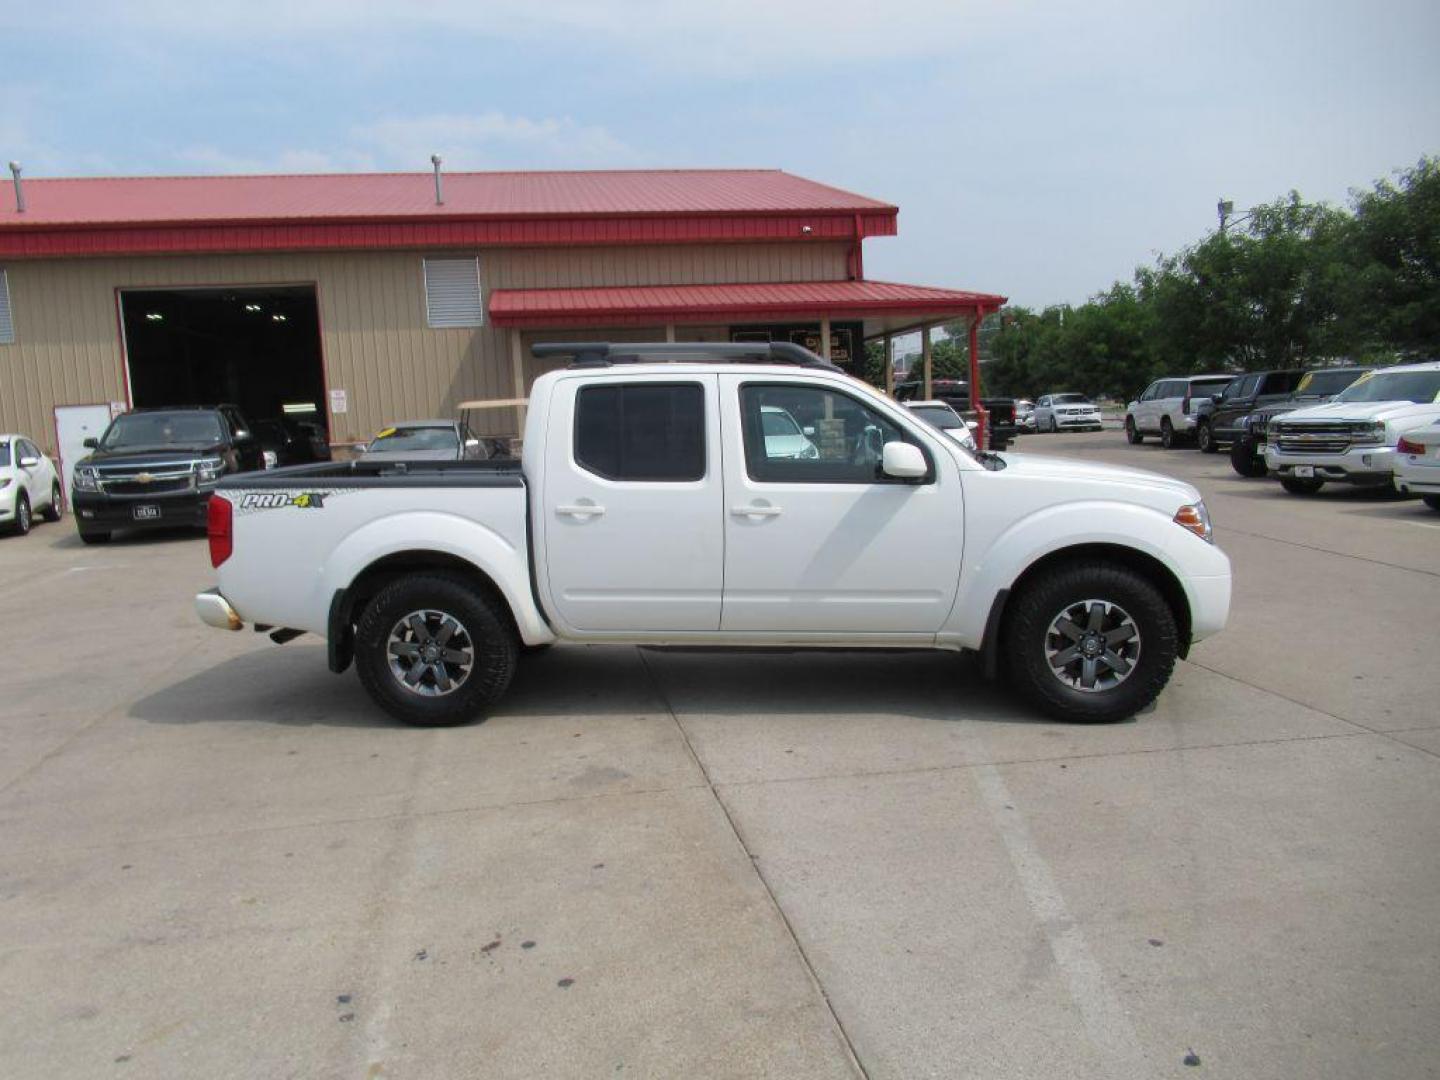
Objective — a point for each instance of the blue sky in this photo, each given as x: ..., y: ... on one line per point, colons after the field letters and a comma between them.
x: 1037, y: 150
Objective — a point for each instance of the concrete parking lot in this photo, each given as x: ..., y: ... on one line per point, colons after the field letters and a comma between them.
x: 218, y: 860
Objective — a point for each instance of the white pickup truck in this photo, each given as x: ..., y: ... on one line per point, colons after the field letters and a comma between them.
x: 665, y: 503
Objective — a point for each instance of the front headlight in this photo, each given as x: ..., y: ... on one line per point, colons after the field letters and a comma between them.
x: 85, y: 478
x: 1369, y: 434
x: 209, y: 470
x: 1196, y: 519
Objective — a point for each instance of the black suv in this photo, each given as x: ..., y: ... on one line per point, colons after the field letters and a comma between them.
x: 1247, y: 452
x: 157, y: 467
x: 1219, y: 424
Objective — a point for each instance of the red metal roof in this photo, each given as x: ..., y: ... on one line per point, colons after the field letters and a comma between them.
x: 109, y: 215
x: 637, y: 305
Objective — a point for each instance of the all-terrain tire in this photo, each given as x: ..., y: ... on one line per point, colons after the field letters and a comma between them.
x: 1244, y: 461
x: 1205, y: 438
x: 489, y: 638
x: 1026, y: 637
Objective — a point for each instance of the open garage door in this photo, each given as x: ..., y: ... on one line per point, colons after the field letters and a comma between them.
x: 257, y: 347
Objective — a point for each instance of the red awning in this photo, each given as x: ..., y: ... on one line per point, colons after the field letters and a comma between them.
x: 777, y: 302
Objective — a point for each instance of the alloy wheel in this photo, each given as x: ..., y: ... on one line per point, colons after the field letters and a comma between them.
x: 1092, y: 646
x: 430, y: 653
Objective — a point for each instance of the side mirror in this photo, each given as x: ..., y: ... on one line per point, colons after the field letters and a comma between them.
x: 91, y: 443
x: 29, y: 462
x: 902, y: 461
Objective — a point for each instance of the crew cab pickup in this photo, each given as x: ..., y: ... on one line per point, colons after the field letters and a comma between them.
x: 658, y: 504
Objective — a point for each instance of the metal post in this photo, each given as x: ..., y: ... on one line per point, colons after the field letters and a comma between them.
x: 517, y: 370
x: 19, y: 188
x: 670, y: 333
x: 439, y: 193
x: 825, y: 337
x: 890, y: 365
x: 925, y: 358
x: 980, y: 414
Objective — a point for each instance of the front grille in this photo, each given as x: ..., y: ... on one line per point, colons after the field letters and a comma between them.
x: 155, y: 487
x: 1311, y: 436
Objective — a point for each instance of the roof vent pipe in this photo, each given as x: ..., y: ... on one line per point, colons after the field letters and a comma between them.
x: 439, y: 193
x: 19, y: 188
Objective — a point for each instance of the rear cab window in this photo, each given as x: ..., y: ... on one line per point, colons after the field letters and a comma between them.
x: 641, y: 431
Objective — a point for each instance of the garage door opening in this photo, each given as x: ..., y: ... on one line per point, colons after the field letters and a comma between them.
x: 255, y: 347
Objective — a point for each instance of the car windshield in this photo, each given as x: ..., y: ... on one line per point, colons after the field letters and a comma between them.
x: 1419, y: 387
x: 1070, y: 399
x: 778, y: 422
x: 162, y: 429
x: 1327, y: 383
x: 416, y: 438
x: 940, y: 416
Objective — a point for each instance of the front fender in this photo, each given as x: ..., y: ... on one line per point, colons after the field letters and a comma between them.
x: 507, y: 565
x: 998, y: 561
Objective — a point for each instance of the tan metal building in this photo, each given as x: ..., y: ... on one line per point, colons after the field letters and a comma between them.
x: 367, y: 299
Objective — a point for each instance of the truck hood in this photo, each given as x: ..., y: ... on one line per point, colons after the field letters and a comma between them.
x: 1108, y: 476
x: 150, y: 455
x: 1367, y: 410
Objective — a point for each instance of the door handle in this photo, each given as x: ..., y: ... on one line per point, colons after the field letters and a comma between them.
x: 755, y: 511
x: 581, y: 510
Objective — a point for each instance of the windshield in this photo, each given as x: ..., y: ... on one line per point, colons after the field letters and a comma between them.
x: 1326, y: 383
x: 1419, y: 387
x: 1070, y: 399
x: 416, y: 438
x: 939, y: 416
x: 778, y: 422
x: 163, y: 429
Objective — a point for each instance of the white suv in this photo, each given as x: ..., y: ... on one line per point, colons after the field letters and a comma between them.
x: 1169, y: 407
x: 1352, y: 439
x: 1055, y: 412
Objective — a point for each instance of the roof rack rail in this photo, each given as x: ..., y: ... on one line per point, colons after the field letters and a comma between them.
x: 590, y: 354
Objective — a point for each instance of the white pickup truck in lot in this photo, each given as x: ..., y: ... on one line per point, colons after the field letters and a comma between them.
x: 652, y: 506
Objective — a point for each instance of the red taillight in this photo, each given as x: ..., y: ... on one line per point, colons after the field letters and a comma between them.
x: 1405, y: 446
x: 218, y: 528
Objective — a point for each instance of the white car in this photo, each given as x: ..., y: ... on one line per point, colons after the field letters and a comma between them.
x: 29, y: 483
x: 1066, y: 412
x: 647, y: 508
x: 784, y: 438
x: 1417, y: 464
x: 1351, y: 440
x: 1170, y: 407
x: 946, y: 419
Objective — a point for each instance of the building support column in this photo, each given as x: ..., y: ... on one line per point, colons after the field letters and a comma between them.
x: 980, y: 413
x: 670, y: 333
x: 825, y: 338
x: 517, y: 372
x: 926, y: 360
x: 890, y: 365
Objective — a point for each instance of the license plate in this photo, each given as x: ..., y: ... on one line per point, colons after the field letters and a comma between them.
x: 1304, y: 472
x: 145, y: 513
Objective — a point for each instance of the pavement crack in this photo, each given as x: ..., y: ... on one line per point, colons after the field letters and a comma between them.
x: 664, y: 698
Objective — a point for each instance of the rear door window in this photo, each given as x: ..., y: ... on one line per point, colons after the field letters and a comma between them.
x: 641, y: 431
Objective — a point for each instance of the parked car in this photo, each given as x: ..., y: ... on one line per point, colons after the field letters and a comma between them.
x: 784, y: 437
x: 29, y: 484
x: 1000, y: 411
x: 647, y: 509
x: 1024, y: 415
x: 1066, y: 412
x: 285, y: 441
x: 942, y: 416
x: 1168, y: 407
x: 1217, y: 422
x: 1247, y: 452
x: 156, y: 468
x: 1352, y: 439
x: 426, y: 440
x: 1417, y: 464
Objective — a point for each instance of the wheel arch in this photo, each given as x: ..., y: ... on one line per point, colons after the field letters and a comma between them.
x: 1143, y: 563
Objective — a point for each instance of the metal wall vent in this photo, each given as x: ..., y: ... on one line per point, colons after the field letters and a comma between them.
x: 452, y: 293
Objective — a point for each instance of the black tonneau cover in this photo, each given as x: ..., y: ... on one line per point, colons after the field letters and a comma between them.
x: 495, y: 473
